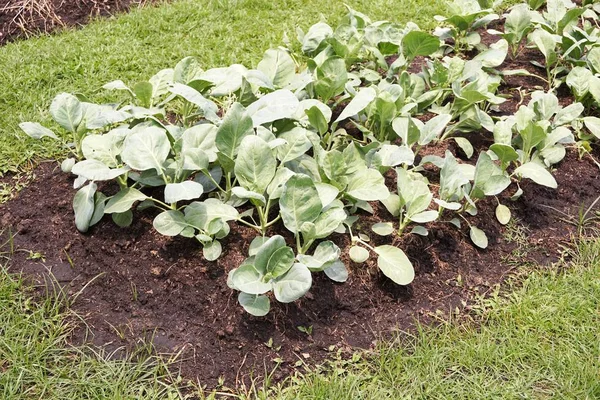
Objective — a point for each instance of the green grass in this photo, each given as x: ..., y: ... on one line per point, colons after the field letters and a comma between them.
x: 134, y: 46
x: 540, y: 341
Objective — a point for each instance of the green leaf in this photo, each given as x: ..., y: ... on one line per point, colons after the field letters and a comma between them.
x: 105, y: 148
x: 327, y: 193
x: 242, y: 193
x: 293, y: 285
x: 297, y: 144
x: 478, y: 237
x: 191, y: 95
x: 67, y: 165
x: 123, y: 201
x: 317, y: 119
x: 495, y: 55
x: 424, y: 217
x: 337, y: 272
x: 593, y: 125
x: 275, y: 188
x: 278, y: 66
x: 169, y: 223
x: 417, y: 43
x: 368, y: 185
x: 94, y: 170
x: 568, y: 114
x: 212, y: 250
x: 249, y: 280
x: 394, y: 264
x: 255, y: 165
x: 383, y: 228
x: 315, y: 36
x: 143, y: 92
x: 146, y: 149
x: 186, y: 70
x: 329, y: 220
x: 266, y: 251
x: 505, y: 153
x: 187, y: 190
x: 299, y: 202
x: 200, y: 137
x: 465, y: 146
x: 256, y: 244
x: 274, y: 106
x: 84, y: 205
x: 419, y: 230
x: 36, y: 131
x: 256, y: 305
x: 503, y: 214
x: 123, y: 219
x: 537, y: 173
x: 358, y: 254
x: 434, y: 128
x: 99, y: 202
x: 331, y: 78
x: 236, y: 125
x: 363, y: 98
x: 579, y: 81
x: 279, y: 262
x: 67, y: 111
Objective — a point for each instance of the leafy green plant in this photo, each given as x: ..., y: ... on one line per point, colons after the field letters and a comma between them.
x: 465, y: 17
x: 517, y: 25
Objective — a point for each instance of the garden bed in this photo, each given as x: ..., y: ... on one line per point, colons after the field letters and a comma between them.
x: 136, y: 283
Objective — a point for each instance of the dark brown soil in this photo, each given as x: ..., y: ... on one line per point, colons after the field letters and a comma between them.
x: 136, y: 283
x: 23, y: 18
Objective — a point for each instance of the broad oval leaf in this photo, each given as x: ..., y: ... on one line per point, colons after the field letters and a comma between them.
x: 417, y: 43
x: 146, y: 149
x: 368, y: 185
x: 236, y: 125
x: 299, y: 202
x: 503, y: 214
x: 170, y: 223
x: 297, y: 143
x: 278, y: 66
x: 94, y: 170
x: 358, y: 254
x: 537, y: 173
x: 123, y: 200
x: 478, y: 237
x: 255, y: 165
x: 249, y: 280
x: 67, y: 111
x: 363, y: 98
x: 212, y: 250
x: 188, y: 190
x: 337, y: 272
x: 36, y: 131
x: 383, y: 228
x: 293, y: 285
x: 256, y: 305
x: 83, y: 206
x: 394, y: 264
x: 274, y: 106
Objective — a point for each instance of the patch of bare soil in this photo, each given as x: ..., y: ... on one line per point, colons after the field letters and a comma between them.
x: 23, y: 18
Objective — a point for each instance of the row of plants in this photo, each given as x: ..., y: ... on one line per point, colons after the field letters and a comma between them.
x: 307, y: 139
